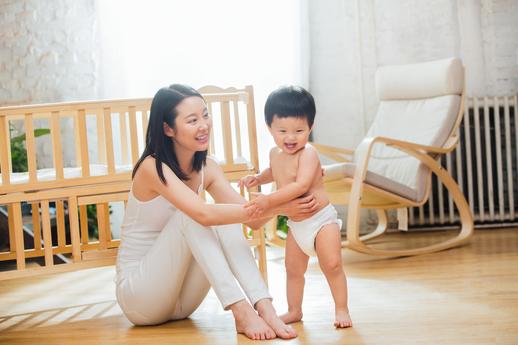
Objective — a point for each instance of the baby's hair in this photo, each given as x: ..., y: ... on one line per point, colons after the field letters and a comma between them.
x: 290, y: 101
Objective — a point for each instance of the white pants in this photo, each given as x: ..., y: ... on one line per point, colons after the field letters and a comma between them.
x: 186, y: 259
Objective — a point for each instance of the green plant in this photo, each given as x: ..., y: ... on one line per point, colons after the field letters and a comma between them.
x: 18, y: 150
x: 282, y: 226
x: 91, y: 214
x: 19, y: 154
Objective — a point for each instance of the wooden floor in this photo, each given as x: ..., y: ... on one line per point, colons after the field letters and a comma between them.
x: 467, y: 295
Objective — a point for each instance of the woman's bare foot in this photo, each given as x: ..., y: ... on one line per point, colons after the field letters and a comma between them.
x: 343, y: 319
x: 249, y: 323
x: 267, y: 312
x: 292, y: 316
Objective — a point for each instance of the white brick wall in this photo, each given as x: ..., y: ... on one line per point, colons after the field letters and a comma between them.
x: 47, y: 51
x: 499, y: 20
x: 345, y: 53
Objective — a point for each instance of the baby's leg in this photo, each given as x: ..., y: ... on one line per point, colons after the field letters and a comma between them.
x: 296, y: 264
x: 329, y: 251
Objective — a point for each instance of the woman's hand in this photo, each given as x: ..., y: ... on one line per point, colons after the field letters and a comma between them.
x: 258, y: 205
x: 302, y: 207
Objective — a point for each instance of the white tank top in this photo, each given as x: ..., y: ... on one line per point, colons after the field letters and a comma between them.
x: 142, y: 223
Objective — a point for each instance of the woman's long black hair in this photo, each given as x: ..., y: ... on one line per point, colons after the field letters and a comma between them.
x: 159, y: 145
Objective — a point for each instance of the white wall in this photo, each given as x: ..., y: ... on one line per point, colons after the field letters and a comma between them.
x: 47, y: 51
x: 351, y: 38
x: 50, y: 52
x: 334, y: 76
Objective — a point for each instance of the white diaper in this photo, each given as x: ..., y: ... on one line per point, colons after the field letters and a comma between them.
x: 305, y: 232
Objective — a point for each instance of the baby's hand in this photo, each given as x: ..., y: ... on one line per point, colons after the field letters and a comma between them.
x: 248, y: 181
x: 258, y: 206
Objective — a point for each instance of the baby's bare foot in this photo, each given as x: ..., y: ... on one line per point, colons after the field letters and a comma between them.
x: 291, y: 316
x: 267, y: 312
x: 343, y: 319
x: 249, y: 323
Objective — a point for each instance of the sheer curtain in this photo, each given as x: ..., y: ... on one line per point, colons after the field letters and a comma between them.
x: 149, y: 44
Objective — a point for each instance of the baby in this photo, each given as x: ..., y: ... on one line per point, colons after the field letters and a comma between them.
x: 295, y: 168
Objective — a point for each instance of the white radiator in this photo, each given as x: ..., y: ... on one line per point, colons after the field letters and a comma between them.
x: 484, y: 165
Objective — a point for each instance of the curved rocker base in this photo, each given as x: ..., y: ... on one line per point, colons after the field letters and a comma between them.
x: 357, y: 242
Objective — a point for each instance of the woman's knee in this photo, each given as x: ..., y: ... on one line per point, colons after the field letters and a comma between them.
x: 230, y: 234
x: 187, y: 223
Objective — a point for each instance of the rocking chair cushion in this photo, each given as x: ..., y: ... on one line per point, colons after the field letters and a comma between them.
x: 419, y: 103
x: 426, y: 122
x: 420, y: 80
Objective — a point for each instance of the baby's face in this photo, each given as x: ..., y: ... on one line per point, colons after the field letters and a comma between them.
x: 290, y: 133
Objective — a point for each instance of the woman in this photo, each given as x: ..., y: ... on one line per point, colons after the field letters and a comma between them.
x: 174, y: 246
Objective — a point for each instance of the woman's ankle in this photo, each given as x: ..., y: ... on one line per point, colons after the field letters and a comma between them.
x: 239, y: 307
x: 264, y: 305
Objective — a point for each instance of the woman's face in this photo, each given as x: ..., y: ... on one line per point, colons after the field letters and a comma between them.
x: 192, y: 125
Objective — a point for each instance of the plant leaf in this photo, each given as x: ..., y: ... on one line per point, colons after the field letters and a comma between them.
x: 37, y: 133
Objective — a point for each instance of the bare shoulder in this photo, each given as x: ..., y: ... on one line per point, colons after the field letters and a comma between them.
x: 274, y: 152
x: 146, y: 179
x: 212, y: 164
x: 148, y: 173
x: 212, y: 169
x: 310, y: 148
x: 309, y: 155
x: 309, y: 151
x: 147, y: 168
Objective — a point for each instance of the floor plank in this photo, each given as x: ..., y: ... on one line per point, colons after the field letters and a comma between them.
x: 467, y: 295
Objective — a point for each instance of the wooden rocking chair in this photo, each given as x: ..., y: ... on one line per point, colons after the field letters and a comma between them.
x: 420, y: 110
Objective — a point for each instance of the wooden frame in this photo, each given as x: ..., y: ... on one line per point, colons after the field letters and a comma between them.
x: 236, y: 106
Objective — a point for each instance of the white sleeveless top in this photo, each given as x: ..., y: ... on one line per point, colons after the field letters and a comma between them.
x: 142, y: 223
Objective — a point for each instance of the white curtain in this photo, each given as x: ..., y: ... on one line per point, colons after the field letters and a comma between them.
x: 149, y: 44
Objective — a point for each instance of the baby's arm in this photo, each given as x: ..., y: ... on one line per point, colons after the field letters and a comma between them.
x: 309, y: 165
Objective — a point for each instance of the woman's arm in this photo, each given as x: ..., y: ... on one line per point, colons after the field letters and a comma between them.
x: 183, y: 198
x: 222, y: 192
x: 303, y: 207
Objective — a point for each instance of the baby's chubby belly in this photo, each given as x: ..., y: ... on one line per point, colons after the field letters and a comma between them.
x: 321, y: 199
